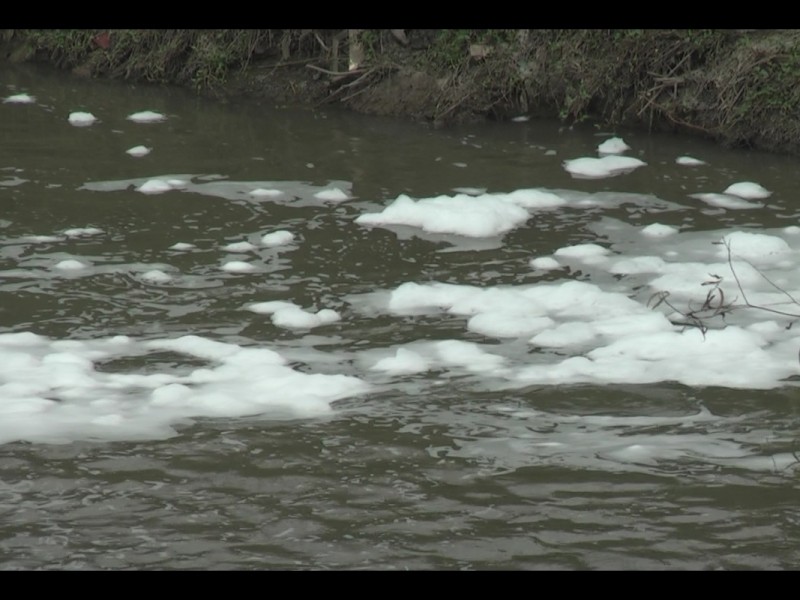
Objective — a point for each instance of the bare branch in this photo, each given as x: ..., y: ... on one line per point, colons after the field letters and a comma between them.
x: 715, y: 304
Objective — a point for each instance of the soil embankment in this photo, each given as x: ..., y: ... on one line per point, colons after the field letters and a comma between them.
x: 738, y: 87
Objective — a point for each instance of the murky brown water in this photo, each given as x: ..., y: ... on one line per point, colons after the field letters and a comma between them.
x: 447, y: 469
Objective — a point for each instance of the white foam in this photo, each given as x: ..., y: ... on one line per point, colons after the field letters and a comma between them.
x: 277, y: 238
x: 544, y: 263
x: 240, y: 247
x: 269, y: 307
x: 81, y: 119
x: 156, y: 276
x: 748, y: 190
x: 659, y: 230
x: 146, y: 116
x: 155, y: 186
x: 689, y: 161
x: 82, y: 231
x: 333, y: 194
x: 265, y: 193
x: 481, y: 216
x: 19, y: 99
x: 583, y: 252
x: 182, y: 246
x: 138, y: 151
x: 758, y: 248
x: 297, y: 318
x: 290, y: 316
x: 614, y: 145
x: 467, y: 355
x: 70, y: 264
x: 508, y: 324
x: 599, y: 168
x: 402, y: 362
x: 238, y: 266
x: 53, y: 392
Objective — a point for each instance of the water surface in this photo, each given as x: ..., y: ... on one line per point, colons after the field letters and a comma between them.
x: 423, y: 398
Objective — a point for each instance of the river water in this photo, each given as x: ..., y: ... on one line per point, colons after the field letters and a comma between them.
x: 296, y: 339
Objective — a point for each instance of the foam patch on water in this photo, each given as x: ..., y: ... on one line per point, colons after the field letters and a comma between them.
x: 239, y: 266
x: 291, y: 316
x: 138, y: 151
x: 334, y: 194
x: 748, y: 190
x: 277, y: 238
x: 659, y: 230
x: 82, y: 231
x: 70, y: 264
x: 484, y: 215
x: 156, y: 276
x: 621, y: 329
x: 599, y: 168
x: 544, y: 263
x: 614, y: 145
x: 19, y: 99
x: 159, y: 186
x: 689, y: 161
x: 147, y: 116
x: 294, y: 193
x: 480, y: 217
x: 58, y: 391
x: 81, y: 119
x: 240, y: 247
x: 265, y: 193
x: 182, y: 246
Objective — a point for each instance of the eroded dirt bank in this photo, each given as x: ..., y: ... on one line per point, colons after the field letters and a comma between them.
x: 738, y: 87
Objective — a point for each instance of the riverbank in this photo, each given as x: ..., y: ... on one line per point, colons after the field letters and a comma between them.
x: 737, y: 87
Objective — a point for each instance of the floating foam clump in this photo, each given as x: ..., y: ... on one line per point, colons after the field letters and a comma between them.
x: 615, y: 145
x: 156, y: 276
x: 70, y: 265
x: 52, y: 391
x: 182, y: 246
x: 658, y: 230
x: 290, y: 316
x: 146, y: 116
x: 20, y: 99
x: 265, y: 193
x: 758, y: 248
x: 481, y: 216
x: 81, y: 119
x: 748, y: 190
x: 334, y: 194
x: 159, y: 186
x: 138, y: 151
x: 403, y: 362
x: 238, y: 266
x: 689, y: 161
x: 598, y: 168
x: 240, y: 247
x: 277, y: 238
x: 545, y: 263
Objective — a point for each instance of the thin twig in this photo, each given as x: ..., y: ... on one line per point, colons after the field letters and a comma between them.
x: 744, y: 295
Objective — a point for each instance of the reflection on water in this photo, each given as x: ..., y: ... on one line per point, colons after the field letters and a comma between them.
x: 316, y: 340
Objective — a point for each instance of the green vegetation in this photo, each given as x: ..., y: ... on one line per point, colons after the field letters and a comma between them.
x: 198, y: 58
x: 736, y: 86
